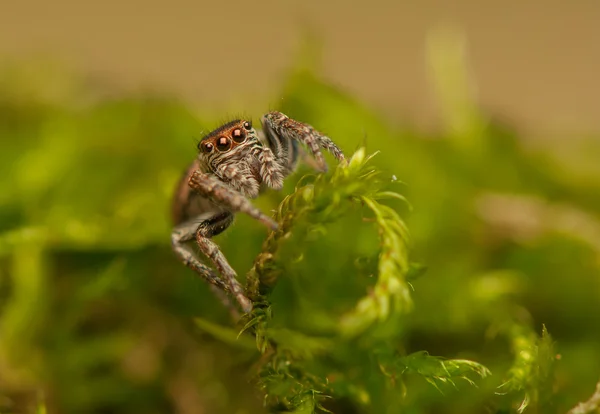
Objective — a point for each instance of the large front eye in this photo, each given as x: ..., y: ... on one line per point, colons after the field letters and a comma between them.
x: 238, y: 135
x: 206, y: 147
x: 223, y: 144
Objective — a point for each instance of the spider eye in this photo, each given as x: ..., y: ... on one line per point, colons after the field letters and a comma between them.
x: 238, y: 135
x: 248, y: 125
x: 223, y: 143
x: 206, y: 147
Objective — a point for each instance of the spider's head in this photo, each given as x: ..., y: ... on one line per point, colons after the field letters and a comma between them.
x: 228, y: 143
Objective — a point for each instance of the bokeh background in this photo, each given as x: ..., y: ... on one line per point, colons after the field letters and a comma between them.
x: 489, y: 112
x: 231, y: 54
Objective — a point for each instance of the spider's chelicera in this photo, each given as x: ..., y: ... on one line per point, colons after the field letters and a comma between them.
x: 234, y: 163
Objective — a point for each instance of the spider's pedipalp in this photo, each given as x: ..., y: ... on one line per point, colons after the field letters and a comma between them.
x: 271, y: 171
x: 240, y: 178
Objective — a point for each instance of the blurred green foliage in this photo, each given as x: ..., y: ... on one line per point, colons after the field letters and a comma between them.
x: 97, y: 315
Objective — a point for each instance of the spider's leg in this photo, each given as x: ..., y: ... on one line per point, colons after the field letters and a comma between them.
x: 307, y: 159
x: 209, y: 186
x: 181, y: 235
x: 204, y: 232
x: 285, y: 128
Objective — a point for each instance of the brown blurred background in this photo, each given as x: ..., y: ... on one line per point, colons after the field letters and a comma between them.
x: 535, y: 62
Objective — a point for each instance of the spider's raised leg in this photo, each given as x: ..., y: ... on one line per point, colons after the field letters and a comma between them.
x: 214, y: 189
x: 282, y: 129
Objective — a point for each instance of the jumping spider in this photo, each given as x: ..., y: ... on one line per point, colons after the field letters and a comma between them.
x: 235, y: 162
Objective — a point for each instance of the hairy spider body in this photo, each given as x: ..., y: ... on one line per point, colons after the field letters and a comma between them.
x: 235, y: 163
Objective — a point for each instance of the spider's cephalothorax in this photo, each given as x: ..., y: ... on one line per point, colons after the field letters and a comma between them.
x: 233, y: 165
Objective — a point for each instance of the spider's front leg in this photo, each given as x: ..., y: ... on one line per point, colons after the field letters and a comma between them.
x: 211, y: 187
x: 282, y: 130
